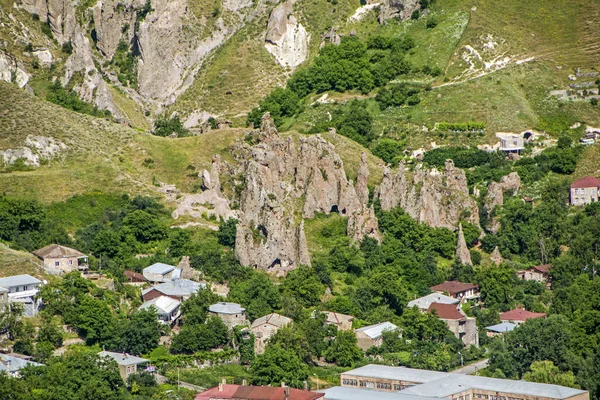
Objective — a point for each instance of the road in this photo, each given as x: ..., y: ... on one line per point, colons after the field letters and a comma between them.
x: 471, y: 368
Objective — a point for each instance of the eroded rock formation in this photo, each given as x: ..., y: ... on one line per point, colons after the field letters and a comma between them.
x: 496, y: 257
x: 400, y: 9
x: 439, y: 199
x: 495, y: 197
x: 287, y: 40
x: 462, y: 251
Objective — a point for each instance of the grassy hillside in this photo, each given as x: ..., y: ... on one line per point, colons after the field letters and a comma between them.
x: 14, y: 262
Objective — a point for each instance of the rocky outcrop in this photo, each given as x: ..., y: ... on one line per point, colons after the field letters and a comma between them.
x: 12, y: 71
x: 362, y: 180
x: 399, y: 9
x: 35, y: 149
x: 287, y: 40
x: 496, y: 257
x: 495, y: 197
x: 363, y: 223
x: 437, y: 198
x: 462, y: 251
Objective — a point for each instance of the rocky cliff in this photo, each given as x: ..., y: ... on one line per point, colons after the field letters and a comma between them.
x: 495, y: 197
x: 286, y: 39
x: 437, y: 198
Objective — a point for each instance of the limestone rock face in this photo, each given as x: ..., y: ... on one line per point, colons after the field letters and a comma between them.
x: 287, y: 40
x: 439, y: 199
x: 363, y: 223
x: 11, y: 71
x: 462, y: 251
x: 110, y: 18
x: 495, y: 197
x: 362, y: 180
x: 401, y: 9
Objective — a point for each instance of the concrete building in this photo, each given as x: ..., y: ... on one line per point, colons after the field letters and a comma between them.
x: 463, y: 327
x: 180, y: 290
x: 350, y: 393
x: 499, y: 329
x: 161, y: 273
x: 519, y: 315
x: 425, y: 384
x: 539, y: 273
x: 22, y: 289
x: 511, y: 142
x: 457, y: 290
x: 127, y: 363
x: 13, y: 363
x: 167, y: 309
x: 232, y: 314
x: 585, y: 191
x: 342, y: 321
x: 243, y: 392
x: 57, y: 258
x: 265, y: 327
x: 423, y: 303
x: 372, y: 335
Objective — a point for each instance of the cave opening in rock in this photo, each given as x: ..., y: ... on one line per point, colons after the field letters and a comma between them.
x: 275, y: 263
x: 334, y: 209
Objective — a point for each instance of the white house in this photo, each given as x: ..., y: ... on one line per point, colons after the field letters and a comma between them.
x: 167, y: 309
x: 22, y: 289
x: 160, y: 273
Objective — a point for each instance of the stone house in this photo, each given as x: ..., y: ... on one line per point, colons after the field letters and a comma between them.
x: 167, y: 309
x: 160, y: 273
x: 61, y: 258
x: 539, y: 273
x: 519, y: 315
x: 127, y: 363
x: 135, y: 278
x: 585, y: 191
x: 265, y: 327
x: 342, y: 321
x: 232, y: 314
x: 463, y: 327
x: 22, y: 289
x: 457, y: 290
x: 372, y: 335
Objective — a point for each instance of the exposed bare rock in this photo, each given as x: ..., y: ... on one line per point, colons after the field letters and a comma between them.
x: 287, y: 40
x: 429, y: 196
x: 462, y: 251
x: 495, y: 197
x: 362, y: 180
x: 12, y: 71
x: 34, y: 150
x: 400, y: 9
x: 363, y: 223
x: 187, y: 272
x: 496, y: 257
x: 110, y: 18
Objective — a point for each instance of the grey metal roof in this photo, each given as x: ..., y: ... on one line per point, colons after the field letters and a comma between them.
x: 159, y: 268
x: 18, y: 280
x: 424, y: 302
x: 226, y: 308
x: 179, y: 288
x: 349, y: 393
x: 501, y: 328
x: 453, y: 383
x: 396, y: 373
x: 123, y: 358
x: 163, y: 304
x: 375, y: 331
x: 10, y: 363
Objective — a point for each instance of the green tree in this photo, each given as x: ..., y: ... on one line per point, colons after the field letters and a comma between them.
x: 278, y: 365
x: 344, y: 350
x: 258, y: 294
x: 140, y: 333
x: 547, y: 372
x: 303, y: 285
x: 144, y: 226
x: 227, y: 231
x: 200, y: 337
x: 94, y: 321
x: 168, y: 126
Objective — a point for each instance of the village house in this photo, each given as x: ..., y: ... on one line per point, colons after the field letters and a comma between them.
x: 127, y: 363
x: 13, y: 363
x: 519, y: 315
x: 243, y: 392
x: 457, y: 290
x: 423, y: 303
x: 22, y: 289
x: 179, y: 290
x: 585, y: 191
x: 134, y: 278
x: 499, y: 329
x: 62, y: 259
x: 510, y: 142
x: 265, y: 327
x: 463, y: 327
x: 167, y: 309
x: 160, y: 273
x: 232, y: 314
x: 372, y: 335
x: 539, y: 273
x: 343, y: 322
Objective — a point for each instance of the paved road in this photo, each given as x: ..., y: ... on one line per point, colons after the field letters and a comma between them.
x: 471, y: 368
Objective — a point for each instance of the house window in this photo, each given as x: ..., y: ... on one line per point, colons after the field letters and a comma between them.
x: 56, y: 263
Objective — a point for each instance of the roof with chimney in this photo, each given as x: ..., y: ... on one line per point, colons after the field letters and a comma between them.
x: 586, y: 182
x: 123, y: 358
x: 447, y: 311
x: 453, y: 287
x: 240, y: 392
x: 520, y: 314
x: 58, y: 251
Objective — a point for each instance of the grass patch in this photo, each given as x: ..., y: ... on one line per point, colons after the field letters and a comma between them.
x: 212, y: 376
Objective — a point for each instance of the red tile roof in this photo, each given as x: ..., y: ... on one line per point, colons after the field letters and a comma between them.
x: 446, y: 311
x: 453, y: 287
x: 239, y: 392
x: 519, y: 314
x: 586, y: 182
x: 544, y: 268
x: 133, y: 276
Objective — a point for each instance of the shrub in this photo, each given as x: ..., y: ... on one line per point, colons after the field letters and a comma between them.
x: 67, y: 47
x: 389, y: 150
x: 167, y: 126
x: 431, y: 23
